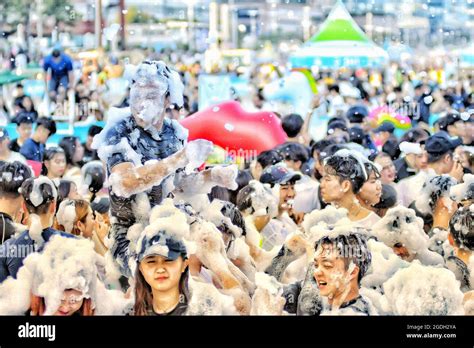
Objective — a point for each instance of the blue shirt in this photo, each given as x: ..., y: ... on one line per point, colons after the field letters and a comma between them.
x: 59, y: 68
x: 32, y: 150
x: 15, y: 250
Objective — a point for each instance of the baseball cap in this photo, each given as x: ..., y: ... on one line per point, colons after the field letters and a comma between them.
x: 337, y: 124
x: 23, y: 117
x: 440, y: 143
x: 162, y: 244
x: 448, y: 120
x: 385, y: 127
x: 357, y: 113
x: 278, y: 174
x: 356, y: 134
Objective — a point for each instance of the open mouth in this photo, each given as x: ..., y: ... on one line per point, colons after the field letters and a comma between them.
x: 322, y: 283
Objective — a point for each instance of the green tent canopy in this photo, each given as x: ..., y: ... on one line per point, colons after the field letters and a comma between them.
x: 340, y: 42
x: 7, y: 77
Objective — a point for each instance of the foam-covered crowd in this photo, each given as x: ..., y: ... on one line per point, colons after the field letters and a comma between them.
x: 133, y: 222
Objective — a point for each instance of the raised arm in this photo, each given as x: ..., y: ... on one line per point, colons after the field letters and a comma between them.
x: 127, y: 179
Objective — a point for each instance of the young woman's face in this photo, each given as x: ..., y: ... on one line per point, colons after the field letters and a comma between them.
x: 371, y: 191
x: 79, y: 152
x: 388, y: 173
x: 56, y: 165
x: 24, y: 130
x: 330, y: 272
x: 27, y: 103
x: 70, y: 303
x: 162, y: 274
x: 88, y: 224
x: 73, y: 194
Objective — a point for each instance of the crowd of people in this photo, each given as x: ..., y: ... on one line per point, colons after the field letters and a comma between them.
x: 357, y: 222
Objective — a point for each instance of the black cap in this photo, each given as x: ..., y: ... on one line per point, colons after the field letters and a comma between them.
x: 336, y: 125
x: 23, y: 117
x: 441, y: 143
x: 448, y: 120
x: 385, y: 127
x: 356, y: 134
x: 357, y: 113
x: 162, y: 244
x: 278, y: 174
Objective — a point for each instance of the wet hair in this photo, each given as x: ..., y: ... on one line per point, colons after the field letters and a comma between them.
x: 96, y: 173
x: 346, y: 168
x: 48, y: 123
x: 461, y: 227
x: 294, y: 152
x: 68, y: 144
x: 49, y: 153
x: 292, y: 124
x: 371, y: 168
x: 321, y: 145
x: 94, y: 130
x: 352, y: 248
x: 46, y: 192
x: 268, y: 158
x: 12, y: 176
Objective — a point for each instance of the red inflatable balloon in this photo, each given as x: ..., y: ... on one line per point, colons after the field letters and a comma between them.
x: 232, y: 128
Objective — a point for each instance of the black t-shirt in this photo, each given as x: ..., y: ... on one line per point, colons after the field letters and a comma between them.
x: 146, y: 147
x: 7, y: 229
x: 14, y: 145
x: 180, y: 309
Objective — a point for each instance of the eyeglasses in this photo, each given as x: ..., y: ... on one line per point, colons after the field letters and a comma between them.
x: 71, y: 300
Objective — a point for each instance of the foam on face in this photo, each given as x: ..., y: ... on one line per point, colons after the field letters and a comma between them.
x: 65, y: 263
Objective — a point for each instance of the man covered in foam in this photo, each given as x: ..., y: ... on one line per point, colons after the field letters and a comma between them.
x: 143, y: 150
x: 401, y: 230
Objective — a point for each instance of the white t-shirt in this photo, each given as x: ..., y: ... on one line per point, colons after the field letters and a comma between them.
x: 306, y: 197
x: 15, y: 156
x: 368, y: 221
